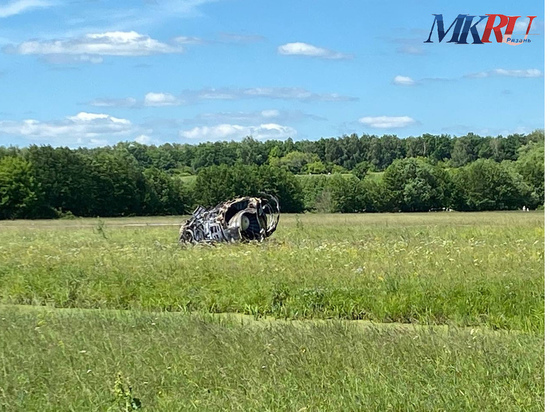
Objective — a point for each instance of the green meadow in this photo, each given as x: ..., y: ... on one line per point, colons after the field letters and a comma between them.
x: 426, y: 311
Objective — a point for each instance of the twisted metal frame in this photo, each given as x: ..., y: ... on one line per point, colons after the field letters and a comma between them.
x: 240, y: 219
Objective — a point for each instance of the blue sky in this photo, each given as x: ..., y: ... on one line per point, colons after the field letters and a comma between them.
x: 96, y: 72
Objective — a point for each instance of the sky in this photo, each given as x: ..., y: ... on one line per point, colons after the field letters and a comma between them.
x: 95, y: 72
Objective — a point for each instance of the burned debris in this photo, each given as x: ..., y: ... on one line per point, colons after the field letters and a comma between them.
x: 241, y: 219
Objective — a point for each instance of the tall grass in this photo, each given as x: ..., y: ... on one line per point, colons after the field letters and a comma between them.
x: 465, y: 269
x: 56, y: 359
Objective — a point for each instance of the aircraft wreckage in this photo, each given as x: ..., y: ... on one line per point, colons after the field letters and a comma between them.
x: 238, y: 220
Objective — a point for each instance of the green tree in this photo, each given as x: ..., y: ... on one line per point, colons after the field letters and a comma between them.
x: 214, y: 154
x: 465, y: 150
x: 414, y: 185
x: 488, y: 185
x: 345, y: 194
x: 219, y: 183
x: 443, y: 146
x: 361, y: 169
x: 9, y: 151
x: 315, y: 168
x: 213, y: 185
x: 375, y: 196
x: 165, y: 195
x: 530, y: 165
x: 336, y: 194
x: 392, y: 148
x: 282, y: 184
x: 119, y: 186
x: 252, y: 152
x: 316, y: 193
x: 334, y: 152
x: 295, y: 162
x: 18, y: 189
x: 65, y: 177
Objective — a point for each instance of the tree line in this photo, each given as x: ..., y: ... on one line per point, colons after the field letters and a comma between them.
x: 346, y: 153
x: 348, y: 174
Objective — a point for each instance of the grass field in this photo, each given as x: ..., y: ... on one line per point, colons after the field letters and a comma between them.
x: 402, y: 276
x: 189, y: 180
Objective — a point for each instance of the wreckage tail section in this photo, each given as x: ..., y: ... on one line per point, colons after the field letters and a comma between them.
x: 240, y: 219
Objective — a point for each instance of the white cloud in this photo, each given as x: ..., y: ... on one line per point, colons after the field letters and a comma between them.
x: 233, y: 131
x: 98, y: 142
x: 128, y: 102
x: 213, y: 94
x: 270, y: 113
x: 403, y: 81
x: 189, y: 40
x: 387, y: 122
x: 161, y: 99
x: 518, y: 73
x: 72, y: 59
x: 20, y: 6
x: 219, y: 132
x: 84, y: 117
x: 83, y: 128
x: 305, y: 49
x: 273, y: 131
x: 151, y: 99
x: 222, y: 38
x: 115, y: 43
x: 525, y: 73
x: 167, y: 99
x: 144, y: 139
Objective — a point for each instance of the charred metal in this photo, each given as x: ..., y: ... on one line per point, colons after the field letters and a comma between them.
x: 241, y: 219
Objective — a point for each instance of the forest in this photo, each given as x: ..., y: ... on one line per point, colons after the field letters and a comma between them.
x: 347, y: 174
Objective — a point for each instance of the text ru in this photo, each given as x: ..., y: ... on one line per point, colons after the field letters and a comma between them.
x: 464, y: 25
